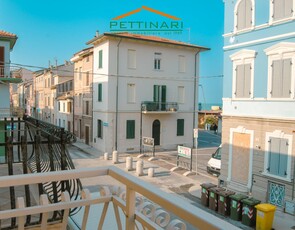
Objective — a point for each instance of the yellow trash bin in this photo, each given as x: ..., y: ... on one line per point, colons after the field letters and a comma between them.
x: 264, y: 216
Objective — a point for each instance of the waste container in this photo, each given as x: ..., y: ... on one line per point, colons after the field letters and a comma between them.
x: 249, y: 211
x: 264, y: 216
x: 205, y: 193
x: 213, y: 197
x: 224, y: 202
x: 236, y: 206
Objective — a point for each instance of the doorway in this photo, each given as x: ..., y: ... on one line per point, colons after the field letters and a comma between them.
x: 87, y: 135
x: 156, y: 131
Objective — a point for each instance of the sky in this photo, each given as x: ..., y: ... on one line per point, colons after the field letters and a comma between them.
x: 50, y: 30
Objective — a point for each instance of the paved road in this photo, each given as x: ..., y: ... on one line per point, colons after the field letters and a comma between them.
x: 208, y: 139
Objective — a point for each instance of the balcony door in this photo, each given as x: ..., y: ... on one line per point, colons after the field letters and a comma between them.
x: 156, y: 131
x: 160, y: 96
x: 1, y: 61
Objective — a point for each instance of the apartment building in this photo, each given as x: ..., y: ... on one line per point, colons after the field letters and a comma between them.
x: 83, y: 80
x: 143, y: 86
x: 259, y: 100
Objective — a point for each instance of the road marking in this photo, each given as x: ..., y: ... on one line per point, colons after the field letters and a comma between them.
x: 209, y: 142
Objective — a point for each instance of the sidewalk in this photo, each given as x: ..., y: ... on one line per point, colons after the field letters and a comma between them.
x: 187, y: 188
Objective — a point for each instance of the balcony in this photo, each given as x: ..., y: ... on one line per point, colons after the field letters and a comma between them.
x: 159, y: 107
x: 135, y: 204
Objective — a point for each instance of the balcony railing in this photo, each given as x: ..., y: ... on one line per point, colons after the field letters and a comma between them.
x: 150, y: 106
x: 136, y: 204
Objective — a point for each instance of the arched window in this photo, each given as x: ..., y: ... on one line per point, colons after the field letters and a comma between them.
x: 244, y: 16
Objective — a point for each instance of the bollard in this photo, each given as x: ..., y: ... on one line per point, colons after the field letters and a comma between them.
x: 115, y: 157
x: 106, y: 156
x: 129, y: 163
x: 139, y: 168
x: 151, y: 172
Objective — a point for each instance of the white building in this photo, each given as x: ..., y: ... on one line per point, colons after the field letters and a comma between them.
x: 143, y: 86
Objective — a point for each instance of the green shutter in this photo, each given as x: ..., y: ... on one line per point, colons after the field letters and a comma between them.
x: 130, y: 129
x: 100, y: 92
x: 163, y: 97
x: 180, y: 127
x: 156, y: 93
x: 100, y: 59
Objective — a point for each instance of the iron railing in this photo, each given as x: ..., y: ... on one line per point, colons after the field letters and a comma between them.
x: 151, y: 106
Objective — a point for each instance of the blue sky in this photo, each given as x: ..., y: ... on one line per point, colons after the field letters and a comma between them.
x: 56, y: 29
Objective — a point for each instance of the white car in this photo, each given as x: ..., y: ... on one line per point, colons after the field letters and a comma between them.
x: 214, y: 164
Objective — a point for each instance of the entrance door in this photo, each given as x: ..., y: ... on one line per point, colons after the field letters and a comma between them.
x: 87, y: 135
x: 156, y: 131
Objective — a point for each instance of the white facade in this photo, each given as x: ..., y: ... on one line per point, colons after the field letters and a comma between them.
x: 134, y: 62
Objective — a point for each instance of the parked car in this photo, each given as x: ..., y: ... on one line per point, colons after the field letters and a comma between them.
x: 214, y: 164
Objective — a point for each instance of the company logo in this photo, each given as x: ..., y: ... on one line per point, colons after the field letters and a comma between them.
x: 164, y: 23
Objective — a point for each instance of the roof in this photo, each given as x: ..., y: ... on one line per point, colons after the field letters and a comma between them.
x: 154, y: 39
x: 84, y: 52
x: 6, y: 36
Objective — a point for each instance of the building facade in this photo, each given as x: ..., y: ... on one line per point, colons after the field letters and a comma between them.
x: 143, y: 86
x: 83, y: 80
x: 259, y: 99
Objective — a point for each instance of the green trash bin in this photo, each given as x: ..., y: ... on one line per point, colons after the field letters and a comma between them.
x: 213, y: 197
x: 205, y: 193
x: 236, y: 206
x: 224, y: 202
x: 249, y: 211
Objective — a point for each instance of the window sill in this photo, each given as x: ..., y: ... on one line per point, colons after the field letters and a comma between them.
x: 287, y: 179
x: 280, y: 99
x: 280, y: 21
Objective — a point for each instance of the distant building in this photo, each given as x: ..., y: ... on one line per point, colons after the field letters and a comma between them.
x: 83, y: 91
x: 143, y: 86
x: 258, y: 155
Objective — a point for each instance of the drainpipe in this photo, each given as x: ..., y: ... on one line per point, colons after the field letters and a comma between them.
x: 195, y: 94
x: 117, y: 96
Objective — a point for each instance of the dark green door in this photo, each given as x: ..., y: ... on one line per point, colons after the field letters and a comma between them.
x: 156, y: 131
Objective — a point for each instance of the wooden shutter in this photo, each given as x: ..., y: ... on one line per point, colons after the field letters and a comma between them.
x: 241, y: 15
x: 276, y: 85
x: 248, y: 13
x: 100, y: 59
x: 278, y: 9
x: 288, y: 8
x: 274, y: 155
x: 247, y: 81
x: 240, y: 81
x: 99, y: 128
x: 180, y: 127
x: 283, y: 158
x: 163, y: 97
x: 286, y: 77
x: 99, y: 92
x: 130, y: 129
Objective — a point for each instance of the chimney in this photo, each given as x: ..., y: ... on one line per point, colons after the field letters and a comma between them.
x: 97, y: 33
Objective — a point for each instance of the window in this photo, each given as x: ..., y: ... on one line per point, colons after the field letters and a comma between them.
x: 69, y: 107
x: 244, y: 15
x: 87, y: 107
x: 278, y: 154
x: 281, y: 9
x: 100, y: 59
x: 131, y: 93
x: 80, y: 73
x: 157, y: 61
x: 180, y: 127
x: 63, y: 107
x: 99, y: 128
x: 281, y: 70
x: 59, y: 106
x: 130, y: 129
x: 281, y: 78
x: 131, y: 59
x: 181, y: 64
x: 243, y: 73
x: 87, y: 79
x: 243, y: 81
x: 99, y: 91
x: 87, y: 58
x: 180, y: 94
